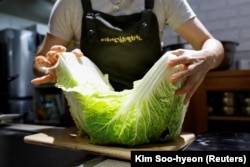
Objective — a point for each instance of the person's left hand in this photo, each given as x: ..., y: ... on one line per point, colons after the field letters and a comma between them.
x: 196, y: 66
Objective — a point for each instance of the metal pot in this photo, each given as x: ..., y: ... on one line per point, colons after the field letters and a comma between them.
x: 229, y: 53
x: 4, y: 83
x: 4, y: 92
x: 229, y: 50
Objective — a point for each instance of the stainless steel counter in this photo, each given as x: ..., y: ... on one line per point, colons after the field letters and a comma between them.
x: 15, y: 152
x: 220, y: 141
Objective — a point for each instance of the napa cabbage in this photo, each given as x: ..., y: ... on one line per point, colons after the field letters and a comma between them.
x: 147, y: 113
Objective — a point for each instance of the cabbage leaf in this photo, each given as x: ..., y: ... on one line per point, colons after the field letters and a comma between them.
x: 147, y: 113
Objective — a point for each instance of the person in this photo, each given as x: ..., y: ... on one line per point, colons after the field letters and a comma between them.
x: 124, y: 39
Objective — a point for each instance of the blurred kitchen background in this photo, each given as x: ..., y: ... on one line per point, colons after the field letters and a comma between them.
x: 23, y: 24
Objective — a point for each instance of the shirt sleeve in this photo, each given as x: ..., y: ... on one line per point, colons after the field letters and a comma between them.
x: 177, y: 12
x: 60, y: 20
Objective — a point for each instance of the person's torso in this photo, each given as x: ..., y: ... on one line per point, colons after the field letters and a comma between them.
x: 65, y: 21
x: 123, y: 46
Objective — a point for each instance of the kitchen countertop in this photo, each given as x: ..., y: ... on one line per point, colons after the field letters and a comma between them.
x: 41, y: 156
x: 101, y: 156
x: 29, y: 127
x: 113, y: 162
x: 65, y: 138
x: 220, y: 141
x: 15, y: 152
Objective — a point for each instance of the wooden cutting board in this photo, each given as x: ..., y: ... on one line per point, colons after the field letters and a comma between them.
x: 67, y: 139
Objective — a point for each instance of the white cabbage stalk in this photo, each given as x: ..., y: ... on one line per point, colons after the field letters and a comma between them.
x: 147, y: 113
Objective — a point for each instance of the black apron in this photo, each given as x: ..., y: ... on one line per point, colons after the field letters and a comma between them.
x: 125, y: 47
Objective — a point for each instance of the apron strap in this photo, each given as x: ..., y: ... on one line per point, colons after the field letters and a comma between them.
x: 87, y: 6
x: 90, y: 22
x: 149, y: 4
x: 146, y: 17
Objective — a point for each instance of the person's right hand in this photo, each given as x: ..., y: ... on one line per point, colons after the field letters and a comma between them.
x: 49, y: 60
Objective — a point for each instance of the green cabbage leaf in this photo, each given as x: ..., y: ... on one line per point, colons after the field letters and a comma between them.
x: 147, y: 113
